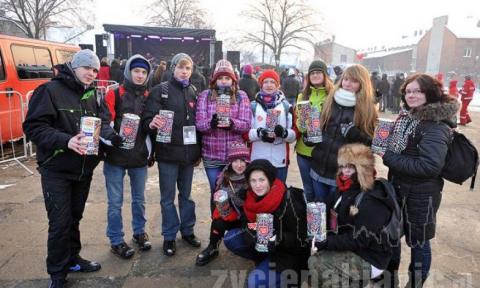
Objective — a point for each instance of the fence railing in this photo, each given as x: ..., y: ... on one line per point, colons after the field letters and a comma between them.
x: 13, y: 142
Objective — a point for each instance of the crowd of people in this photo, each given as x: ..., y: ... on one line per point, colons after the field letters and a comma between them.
x: 242, y: 129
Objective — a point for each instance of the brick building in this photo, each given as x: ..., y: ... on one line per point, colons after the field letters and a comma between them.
x: 334, y: 53
x: 450, y: 47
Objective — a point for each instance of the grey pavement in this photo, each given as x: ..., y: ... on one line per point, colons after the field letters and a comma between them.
x: 23, y: 236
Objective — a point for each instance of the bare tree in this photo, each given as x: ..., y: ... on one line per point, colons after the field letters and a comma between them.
x: 178, y: 13
x: 35, y: 16
x: 248, y: 56
x: 287, y: 23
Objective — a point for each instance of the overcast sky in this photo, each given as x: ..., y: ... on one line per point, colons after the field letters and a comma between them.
x: 356, y: 24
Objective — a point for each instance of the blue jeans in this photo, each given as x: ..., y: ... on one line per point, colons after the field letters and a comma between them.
x: 322, y: 191
x: 282, y: 173
x: 171, y: 175
x: 420, y: 260
x: 114, y: 181
x: 212, y: 174
x: 304, y: 165
x: 262, y: 275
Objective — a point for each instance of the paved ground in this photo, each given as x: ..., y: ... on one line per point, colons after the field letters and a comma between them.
x: 23, y: 236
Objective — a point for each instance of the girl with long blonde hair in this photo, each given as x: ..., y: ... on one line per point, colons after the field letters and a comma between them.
x: 348, y: 115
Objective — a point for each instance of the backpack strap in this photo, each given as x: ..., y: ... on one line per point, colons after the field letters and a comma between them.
x: 164, y: 95
x: 359, y: 198
x: 118, y: 101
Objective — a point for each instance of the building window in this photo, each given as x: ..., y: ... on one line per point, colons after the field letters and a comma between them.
x: 32, y: 62
x: 343, y: 58
x: 2, y: 69
x: 467, y: 52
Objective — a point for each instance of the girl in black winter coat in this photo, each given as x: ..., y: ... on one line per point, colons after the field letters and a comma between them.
x: 415, y: 158
x: 355, y: 237
x: 348, y: 116
x: 288, y: 249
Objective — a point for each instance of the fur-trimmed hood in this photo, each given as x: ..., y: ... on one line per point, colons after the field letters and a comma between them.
x: 362, y: 157
x: 437, y: 111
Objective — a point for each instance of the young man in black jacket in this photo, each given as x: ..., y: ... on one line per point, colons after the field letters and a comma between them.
x: 53, y: 124
x: 128, y: 153
x: 176, y: 158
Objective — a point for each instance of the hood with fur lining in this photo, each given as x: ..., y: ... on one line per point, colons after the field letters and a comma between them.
x: 438, y: 111
x: 362, y: 157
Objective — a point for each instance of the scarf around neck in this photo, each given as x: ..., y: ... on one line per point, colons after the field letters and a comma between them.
x: 268, y: 204
x: 184, y: 82
x: 269, y: 100
x: 345, y: 98
x: 405, y: 125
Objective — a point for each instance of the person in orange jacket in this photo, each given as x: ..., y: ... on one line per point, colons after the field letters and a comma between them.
x: 467, y: 96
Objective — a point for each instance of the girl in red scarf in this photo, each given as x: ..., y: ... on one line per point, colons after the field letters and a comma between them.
x: 288, y: 248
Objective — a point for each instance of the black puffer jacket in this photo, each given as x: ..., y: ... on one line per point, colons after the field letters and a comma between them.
x: 290, y: 228
x: 324, y: 155
x: 182, y: 101
x: 53, y: 117
x: 362, y: 233
x: 416, y: 170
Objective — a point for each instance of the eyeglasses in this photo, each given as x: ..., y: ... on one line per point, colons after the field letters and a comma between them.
x: 414, y: 92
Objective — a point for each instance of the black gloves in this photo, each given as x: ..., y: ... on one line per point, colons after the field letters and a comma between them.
x: 151, y: 161
x: 280, y: 131
x: 272, y: 245
x: 224, y: 90
x: 321, y: 245
x: 262, y: 133
x: 306, y: 142
x: 214, y: 122
x: 117, y: 140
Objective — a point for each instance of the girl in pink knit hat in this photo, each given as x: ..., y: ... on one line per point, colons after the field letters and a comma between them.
x: 226, y: 215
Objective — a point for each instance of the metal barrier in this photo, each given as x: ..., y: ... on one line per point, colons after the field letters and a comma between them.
x: 12, y: 115
x: 29, y: 143
x: 103, y: 86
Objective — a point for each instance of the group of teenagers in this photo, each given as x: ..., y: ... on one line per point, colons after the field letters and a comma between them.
x: 249, y: 160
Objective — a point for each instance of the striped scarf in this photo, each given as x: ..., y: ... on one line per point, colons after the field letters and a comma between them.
x: 405, y: 125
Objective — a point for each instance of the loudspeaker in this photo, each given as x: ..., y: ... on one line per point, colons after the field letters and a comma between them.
x: 218, y: 52
x: 234, y: 58
x: 100, y: 50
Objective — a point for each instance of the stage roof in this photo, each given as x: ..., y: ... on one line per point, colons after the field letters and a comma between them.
x: 159, y: 31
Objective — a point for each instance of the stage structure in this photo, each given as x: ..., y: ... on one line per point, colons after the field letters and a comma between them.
x: 122, y: 41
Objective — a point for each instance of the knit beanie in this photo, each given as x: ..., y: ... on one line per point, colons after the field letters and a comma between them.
x: 248, y: 69
x: 140, y: 63
x: 262, y: 165
x: 238, y: 150
x: 269, y: 73
x: 223, y: 68
x: 317, y: 65
x: 85, y: 58
x: 177, y: 59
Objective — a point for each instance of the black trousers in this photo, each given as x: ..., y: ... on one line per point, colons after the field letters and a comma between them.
x: 65, y: 202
